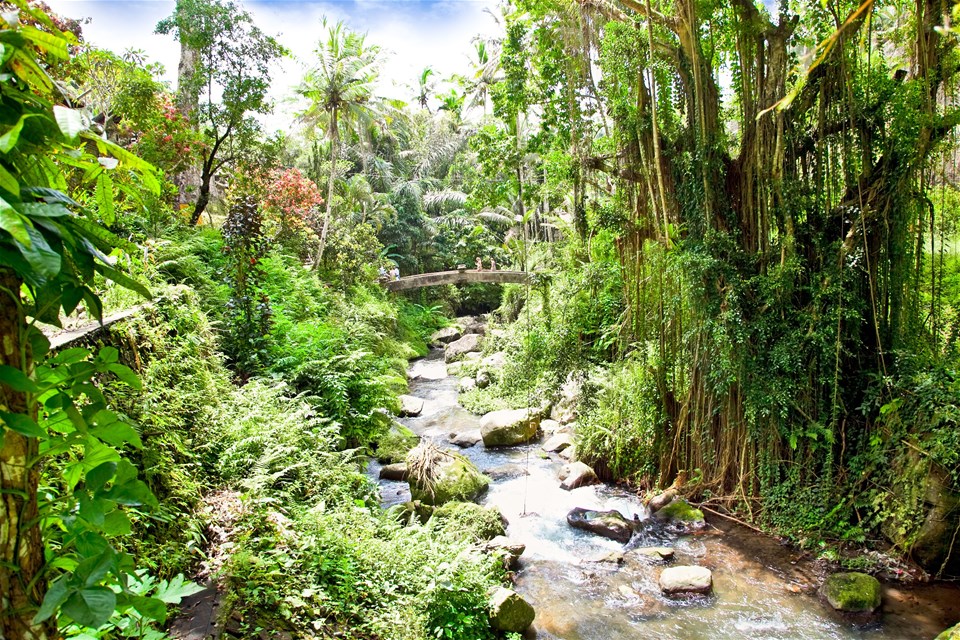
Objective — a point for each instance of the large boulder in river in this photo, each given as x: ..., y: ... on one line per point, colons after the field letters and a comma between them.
x: 437, y: 476
x: 852, y: 592
x: 609, y: 524
x: 457, y: 349
x: 681, y: 517
x: 465, y: 439
x: 576, y: 474
x: 686, y: 579
x: 396, y: 471
x: 508, y: 427
x: 557, y: 442
x: 410, y: 406
x: 446, y: 336
x: 509, y: 612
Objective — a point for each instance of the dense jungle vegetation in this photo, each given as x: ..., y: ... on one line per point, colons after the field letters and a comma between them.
x: 744, y: 219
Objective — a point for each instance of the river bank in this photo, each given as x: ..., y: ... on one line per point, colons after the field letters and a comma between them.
x: 762, y: 589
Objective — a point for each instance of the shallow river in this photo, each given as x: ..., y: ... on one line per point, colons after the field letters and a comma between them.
x: 761, y: 588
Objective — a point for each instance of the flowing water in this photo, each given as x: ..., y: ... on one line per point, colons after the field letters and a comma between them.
x: 761, y: 589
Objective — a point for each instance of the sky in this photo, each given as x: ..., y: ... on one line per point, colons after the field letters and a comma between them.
x: 413, y: 33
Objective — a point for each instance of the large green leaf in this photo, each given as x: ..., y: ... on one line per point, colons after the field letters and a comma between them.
x: 70, y: 121
x: 17, y: 379
x: 90, y: 607
x: 56, y: 596
x: 9, y: 139
x: 8, y: 182
x: 44, y: 260
x: 54, y: 45
x: 13, y: 223
x: 22, y: 424
x: 122, y: 279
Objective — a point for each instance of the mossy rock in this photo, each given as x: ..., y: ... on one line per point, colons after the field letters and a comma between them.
x: 509, y: 612
x: 852, y: 592
x: 681, y: 517
x: 953, y: 633
x: 394, y: 446
x: 454, y: 479
x: 469, y: 521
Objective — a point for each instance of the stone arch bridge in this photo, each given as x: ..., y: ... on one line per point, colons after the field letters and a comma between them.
x: 460, y: 276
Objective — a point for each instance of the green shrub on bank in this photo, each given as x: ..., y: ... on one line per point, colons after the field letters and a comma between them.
x: 358, y: 572
x: 172, y: 347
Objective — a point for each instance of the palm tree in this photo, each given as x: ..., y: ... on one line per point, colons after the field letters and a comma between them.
x: 340, y: 90
x: 425, y: 89
x: 486, y: 69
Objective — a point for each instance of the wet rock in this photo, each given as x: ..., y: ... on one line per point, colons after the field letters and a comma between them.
x: 483, y: 379
x: 509, y: 612
x: 614, y: 557
x: 396, y: 471
x: 494, y: 362
x: 550, y: 426
x: 656, y: 553
x: 576, y: 474
x: 410, y: 406
x: 507, y: 471
x: 686, y: 579
x: 852, y: 592
x: 446, y: 336
x: 507, y: 549
x: 680, y: 517
x: 466, y: 384
x: 508, y: 427
x: 659, y: 501
x: 396, y: 444
x: 439, y: 475
x: 953, y: 633
x: 457, y: 349
x: 569, y: 454
x: 466, y: 439
x: 558, y: 442
x: 609, y: 524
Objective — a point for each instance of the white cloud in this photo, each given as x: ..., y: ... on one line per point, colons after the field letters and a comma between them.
x: 414, y: 34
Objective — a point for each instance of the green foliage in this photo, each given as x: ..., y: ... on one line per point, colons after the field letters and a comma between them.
x: 279, y: 447
x: 248, y: 310
x: 468, y: 520
x: 173, y: 347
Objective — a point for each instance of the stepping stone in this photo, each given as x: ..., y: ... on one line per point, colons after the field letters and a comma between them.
x: 410, y: 406
x: 686, y: 579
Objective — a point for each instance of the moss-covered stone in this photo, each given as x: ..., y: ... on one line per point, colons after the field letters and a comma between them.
x: 510, y: 612
x: 468, y: 521
x: 454, y: 479
x: 852, y: 592
x: 508, y: 427
x: 396, y: 444
x: 953, y: 633
x: 680, y: 510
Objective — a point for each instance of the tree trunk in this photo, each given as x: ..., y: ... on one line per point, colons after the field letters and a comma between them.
x: 203, y: 197
x: 334, y: 152
x: 188, y: 97
x: 21, y: 545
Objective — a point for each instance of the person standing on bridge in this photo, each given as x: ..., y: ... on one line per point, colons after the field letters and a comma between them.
x: 479, y: 264
x: 493, y: 264
x: 395, y: 272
